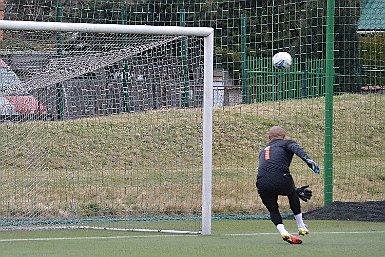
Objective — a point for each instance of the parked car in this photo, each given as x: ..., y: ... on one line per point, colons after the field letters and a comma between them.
x: 17, y: 107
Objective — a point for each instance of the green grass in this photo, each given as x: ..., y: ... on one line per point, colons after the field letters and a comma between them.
x: 116, y: 163
x: 230, y: 238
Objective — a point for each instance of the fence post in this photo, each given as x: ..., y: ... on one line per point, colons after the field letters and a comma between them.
x: 245, y: 93
x: 186, y: 88
x: 59, y: 47
x: 329, y: 92
x: 126, y: 107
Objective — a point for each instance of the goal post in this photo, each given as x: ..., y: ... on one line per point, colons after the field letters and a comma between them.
x: 117, y: 93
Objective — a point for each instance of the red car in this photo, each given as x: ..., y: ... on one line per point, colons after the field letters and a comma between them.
x: 12, y: 106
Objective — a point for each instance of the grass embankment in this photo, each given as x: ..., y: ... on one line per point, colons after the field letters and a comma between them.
x: 119, y: 162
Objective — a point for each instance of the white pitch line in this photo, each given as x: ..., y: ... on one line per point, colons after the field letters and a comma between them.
x: 159, y: 236
x: 85, y: 238
x: 325, y: 232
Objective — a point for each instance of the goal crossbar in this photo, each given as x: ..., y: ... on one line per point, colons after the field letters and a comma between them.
x: 107, y: 28
x: 207, y: 33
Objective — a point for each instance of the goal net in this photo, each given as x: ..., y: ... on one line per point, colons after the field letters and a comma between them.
x: 105, y: 126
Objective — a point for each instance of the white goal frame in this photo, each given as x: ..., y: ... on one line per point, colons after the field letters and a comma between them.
x: 205, y: 32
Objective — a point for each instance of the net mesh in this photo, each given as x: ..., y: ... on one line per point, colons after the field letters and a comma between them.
x: 67, y: 66
x: 120, y: 137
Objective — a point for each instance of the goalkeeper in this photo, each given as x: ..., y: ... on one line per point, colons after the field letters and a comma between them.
x: 274, y: 179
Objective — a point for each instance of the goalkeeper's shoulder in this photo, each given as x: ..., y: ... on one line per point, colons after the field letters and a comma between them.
x: 297, y: 149
x: 290, y: 141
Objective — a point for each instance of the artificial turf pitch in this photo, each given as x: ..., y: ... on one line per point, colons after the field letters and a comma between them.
x: 229, y: 238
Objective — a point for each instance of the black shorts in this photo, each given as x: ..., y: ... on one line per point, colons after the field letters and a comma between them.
x: 276, y: 184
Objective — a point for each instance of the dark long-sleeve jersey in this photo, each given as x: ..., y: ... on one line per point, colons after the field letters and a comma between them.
x: 277, y: 156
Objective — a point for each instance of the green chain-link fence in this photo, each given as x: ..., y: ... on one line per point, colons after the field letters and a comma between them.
x: 336, y: 114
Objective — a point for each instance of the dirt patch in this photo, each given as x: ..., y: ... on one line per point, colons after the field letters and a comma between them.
x: 366, y: 211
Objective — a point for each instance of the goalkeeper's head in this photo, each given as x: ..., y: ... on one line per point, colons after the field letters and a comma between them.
x: 276, y: 132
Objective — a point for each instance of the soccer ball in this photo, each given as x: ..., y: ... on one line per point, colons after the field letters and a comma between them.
x: 282, y: 60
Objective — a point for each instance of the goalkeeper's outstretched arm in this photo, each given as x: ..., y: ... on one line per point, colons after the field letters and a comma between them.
x: 300, y: 152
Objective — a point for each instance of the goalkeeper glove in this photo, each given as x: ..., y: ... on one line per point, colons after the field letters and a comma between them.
x: 312, y: 165
x: 303, y: 193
